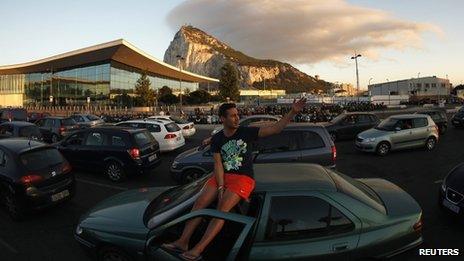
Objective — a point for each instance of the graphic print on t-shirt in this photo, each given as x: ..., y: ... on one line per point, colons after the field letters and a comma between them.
x: 231, y: 154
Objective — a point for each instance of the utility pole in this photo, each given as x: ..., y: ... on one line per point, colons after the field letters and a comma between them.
x: 355, y: 58
x: 179, y: 61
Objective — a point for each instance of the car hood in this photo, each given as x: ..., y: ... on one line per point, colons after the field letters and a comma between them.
x: 396, y: 200
x: 455, y: 180
x: 188, y: 153
x: 125, y: 209
x: 372, y: 133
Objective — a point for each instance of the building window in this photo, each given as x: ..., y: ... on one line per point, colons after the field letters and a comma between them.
x: 427, y: 85
x: 434, y: 85
x: 419, y: 85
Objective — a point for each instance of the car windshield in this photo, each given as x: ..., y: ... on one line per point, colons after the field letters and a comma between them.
x: 387, y: 124
x: 338, y: 118
x: 40, y: 159
x: 357, y: 190
x: 174, y: 197
x: 29, y: 131
x: 92, y: 117
x: 143, y: 138
x: 172, y: 127
x: 178, y: 120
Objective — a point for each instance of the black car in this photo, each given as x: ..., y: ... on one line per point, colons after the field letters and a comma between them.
x: 33, y: 175
x: 115, y: 150
x: 458, y: 119
x: 451, y: 196
x: 347, y: 125
x: 298, y: 142
x: 13, y: 114
x: 20, y: 129
x: 439, y: 117
x: 54, y: 129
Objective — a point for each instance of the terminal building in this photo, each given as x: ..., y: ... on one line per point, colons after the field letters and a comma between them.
x: 419, y: 88
x: 95, y: 75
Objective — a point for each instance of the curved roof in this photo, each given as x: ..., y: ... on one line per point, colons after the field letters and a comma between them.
x: 119, y: 50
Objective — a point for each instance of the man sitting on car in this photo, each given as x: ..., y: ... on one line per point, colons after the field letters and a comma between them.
x: 233, y: 174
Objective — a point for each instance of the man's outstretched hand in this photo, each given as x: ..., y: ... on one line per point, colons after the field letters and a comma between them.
x: 297, y: 106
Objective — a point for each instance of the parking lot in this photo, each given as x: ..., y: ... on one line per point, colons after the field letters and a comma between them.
x: 49, y: 235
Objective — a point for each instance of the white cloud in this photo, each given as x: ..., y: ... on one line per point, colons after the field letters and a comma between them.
x: 300, y: 31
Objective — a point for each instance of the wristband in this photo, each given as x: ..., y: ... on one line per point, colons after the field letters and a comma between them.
x: 220, y: 187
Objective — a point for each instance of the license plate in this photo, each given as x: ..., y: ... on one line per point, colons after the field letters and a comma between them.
x: 60, y: 195
x: 152, y: 157
x: 451, y: 206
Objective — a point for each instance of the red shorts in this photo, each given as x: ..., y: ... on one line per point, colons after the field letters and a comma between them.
x: 239, y: 184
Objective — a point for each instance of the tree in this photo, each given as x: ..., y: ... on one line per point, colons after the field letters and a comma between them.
x: 228, y: 83
x: 164, y: 91
x: 198, y: 97
x: 145, y: 95
x: 169, y: 99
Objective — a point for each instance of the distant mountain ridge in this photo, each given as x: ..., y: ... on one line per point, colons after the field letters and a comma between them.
x: 204, y: 54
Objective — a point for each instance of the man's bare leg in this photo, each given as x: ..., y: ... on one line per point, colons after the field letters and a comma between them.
x: 208, y: 195
x: 229, y: 200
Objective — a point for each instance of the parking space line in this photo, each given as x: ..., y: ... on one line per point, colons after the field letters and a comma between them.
x: 101, y: 184
x: 8, y: 246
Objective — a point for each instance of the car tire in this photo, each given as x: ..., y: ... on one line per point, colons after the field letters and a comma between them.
x: 333, y: 136
x: 430, y: 143
x: 12, y: 206
x: 113, y: 254
x: 54, y: 138
x: 383, y: 148
x: 114, y: 171
x: 191, y: 175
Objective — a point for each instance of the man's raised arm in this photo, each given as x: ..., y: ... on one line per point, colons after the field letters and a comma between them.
x: 280, y: 125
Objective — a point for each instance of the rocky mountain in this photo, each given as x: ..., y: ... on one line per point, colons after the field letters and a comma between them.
x: 205, y: 55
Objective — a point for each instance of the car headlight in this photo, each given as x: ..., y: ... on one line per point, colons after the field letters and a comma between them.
x: 78, y: 230
x: 174, y: 164
x: 370, y: 139
x: 443, y: 185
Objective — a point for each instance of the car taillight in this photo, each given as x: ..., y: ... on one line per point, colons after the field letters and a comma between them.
x: 334, y: 153
x: 62, y: 129
x: 186, y: 127
x: 170, y: 136
x: 31, y: 179
x: 134, y: 153
x: 418, y: 225
x: 66, y: 167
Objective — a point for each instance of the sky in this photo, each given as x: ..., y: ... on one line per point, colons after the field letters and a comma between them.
x: 397, y: 39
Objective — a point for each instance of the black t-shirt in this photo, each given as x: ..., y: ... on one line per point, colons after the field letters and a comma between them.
x: 236, y: 150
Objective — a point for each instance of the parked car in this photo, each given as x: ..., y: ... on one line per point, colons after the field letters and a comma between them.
x: 13, y: 114
x: 399, y: 132
x: 347, y: 125
x: 297, y: 210
x: 35, y: 116
x: 20, y: 129
x: 187, y: 127
x: 167, y: 134
x: 439, y: 117
x: 451, y: 193
x: 87, y: 120
x: 33, y: 176
x: 115, y: 150
x: 246, y: 121
x: 458, y: 119
x: 54, y: 129
x: 298, y: 142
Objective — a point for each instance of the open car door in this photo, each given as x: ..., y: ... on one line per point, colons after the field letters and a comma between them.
x: 225, y: 246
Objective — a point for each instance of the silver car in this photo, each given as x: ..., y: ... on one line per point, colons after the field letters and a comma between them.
x: 399, y: 132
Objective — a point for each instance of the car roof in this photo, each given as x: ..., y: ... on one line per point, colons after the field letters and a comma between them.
x: 359, y: 113
x: 407, y: 116
x: 19, y: 145
x: 115, y: 128
x: 55, y: 117
x: 19, y: 123
x: 292, y: 176
x: 143, y: 121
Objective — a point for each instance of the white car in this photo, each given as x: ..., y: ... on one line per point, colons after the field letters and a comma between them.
x: 188, y: 128
x: 167, y: 134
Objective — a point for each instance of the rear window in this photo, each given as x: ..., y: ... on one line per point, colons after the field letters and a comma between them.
x: 68, y: 122
x: 357, y: 190
x: 19, y: 114
x: 311, y: 140
x: 40, y: 159
x: 420, y: 122
x: 143, y: 138
x: 29, y: 131
x: 172, y: 127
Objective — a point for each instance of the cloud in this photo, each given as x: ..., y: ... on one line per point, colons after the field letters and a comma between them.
x: 300, y: 31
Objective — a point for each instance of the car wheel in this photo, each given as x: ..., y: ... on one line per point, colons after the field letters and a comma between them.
x: 443, y: 129
x: 113, y: 254
x: 333, y: 136
x: 383, y: 148
x: 191, y: 175
x: 12, y: 205
x: 54, y: 138
x: 114, y: 171
x: 430, y: 143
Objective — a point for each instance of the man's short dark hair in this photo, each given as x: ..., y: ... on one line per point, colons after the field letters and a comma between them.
x: 224, y: 107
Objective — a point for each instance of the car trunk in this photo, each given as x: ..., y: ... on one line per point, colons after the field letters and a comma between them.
x: 148, y: 146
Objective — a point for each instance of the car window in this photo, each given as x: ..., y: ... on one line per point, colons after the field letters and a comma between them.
x: 117, y: 140
x: 95, y: 139
x: 7, y: 129
x: 40, y: 123
x: 92, y: 117
x: 373, y: 118
x: 363, y: 118
x: 78, y: 118
x: 420, y: 122
x: 48, y: 123
x: 40, y: 159
x: 311, y: 140
x: 29, y: 131
x: 76, y: 139
x: 172, y: 127
x: 68, y: 122
x: 153, y: 128
x: 143, y: 138
x: 404, y: 124
x: 284, y: 141
x: 297, y: 217
x: 350, y: 119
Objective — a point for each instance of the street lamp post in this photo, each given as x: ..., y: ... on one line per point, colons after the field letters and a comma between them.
x: 179, y: 61
x: 355, y: 58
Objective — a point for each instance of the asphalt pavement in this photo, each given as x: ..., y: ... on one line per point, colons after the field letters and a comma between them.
x: 48, y: 235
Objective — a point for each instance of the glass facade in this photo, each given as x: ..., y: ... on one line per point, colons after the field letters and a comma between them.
x: 103, y: 83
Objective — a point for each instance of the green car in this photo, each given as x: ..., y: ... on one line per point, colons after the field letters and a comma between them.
x: 297, y: 212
